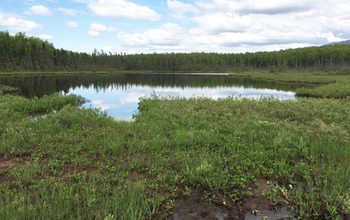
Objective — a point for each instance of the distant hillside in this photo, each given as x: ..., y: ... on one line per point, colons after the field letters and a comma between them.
x: 340, y: 42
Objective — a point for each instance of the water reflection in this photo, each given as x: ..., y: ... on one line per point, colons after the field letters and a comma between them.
x: 119, y: 94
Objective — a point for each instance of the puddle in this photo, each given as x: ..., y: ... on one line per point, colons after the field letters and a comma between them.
x: 182, y: 215
x: 279, y: 214
x: 221, y: 215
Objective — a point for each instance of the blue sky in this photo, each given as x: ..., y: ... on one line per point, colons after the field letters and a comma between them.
x: 147, y: 26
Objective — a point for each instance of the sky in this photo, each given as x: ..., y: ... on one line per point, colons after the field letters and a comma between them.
x: 164, y: 26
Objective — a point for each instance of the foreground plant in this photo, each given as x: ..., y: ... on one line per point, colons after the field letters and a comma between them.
x: 80, y: 163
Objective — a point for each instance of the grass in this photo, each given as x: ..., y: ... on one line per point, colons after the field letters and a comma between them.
x: 59, y: 161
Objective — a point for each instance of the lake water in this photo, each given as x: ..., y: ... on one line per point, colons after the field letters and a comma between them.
x: 118, y: 95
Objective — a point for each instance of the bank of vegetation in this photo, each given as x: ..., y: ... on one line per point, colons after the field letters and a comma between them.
x: 60, y: 161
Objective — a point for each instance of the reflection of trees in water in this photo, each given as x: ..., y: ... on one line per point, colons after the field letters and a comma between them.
x: 31, y: 86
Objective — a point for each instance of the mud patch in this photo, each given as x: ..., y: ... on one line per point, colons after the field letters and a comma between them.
x: 194, y: 207
x: 6, y: 165
x: 9, y: 164
x: 78, y: 172
x: 257, y: 201
x: 5, y: 179
x: 219, y: 207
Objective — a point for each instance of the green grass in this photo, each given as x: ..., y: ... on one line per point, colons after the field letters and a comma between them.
x: 87, y: 198
x: 340, y: 89
x: 63, y: 162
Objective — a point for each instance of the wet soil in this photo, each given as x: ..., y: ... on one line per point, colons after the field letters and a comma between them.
x: 196, y: 206
x: 7, y: 164
x: 5, y: 179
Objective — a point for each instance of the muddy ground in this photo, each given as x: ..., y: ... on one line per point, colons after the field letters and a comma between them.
x: 196, y: 206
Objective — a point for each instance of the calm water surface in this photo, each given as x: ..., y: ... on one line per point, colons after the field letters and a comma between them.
x: 118, y: 95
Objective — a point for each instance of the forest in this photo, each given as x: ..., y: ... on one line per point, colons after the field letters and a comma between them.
x: 23, y: 53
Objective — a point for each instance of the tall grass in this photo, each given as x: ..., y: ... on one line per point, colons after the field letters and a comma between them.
x: 88, y: 198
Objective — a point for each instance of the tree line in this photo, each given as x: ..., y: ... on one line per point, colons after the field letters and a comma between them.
x: 23, y: 53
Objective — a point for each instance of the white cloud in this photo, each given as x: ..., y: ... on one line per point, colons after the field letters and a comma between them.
x: 94, y: 33
x: 236, y: 25
x: 100, y: 27
x: 16, y: 24
x: 38, y: 10
x: 180, y: 9
x: 45, y: 37
x: 97, y: 101
x: 166, y: 36
x: 122, y: 8
x: 96, y: 28
x: 109, y: 49
x: 83, y: 1
x: 330, y: 37
x: 253, y: 6
x: 71, y: 12
x: 220, y: 22
x: 72, y: 24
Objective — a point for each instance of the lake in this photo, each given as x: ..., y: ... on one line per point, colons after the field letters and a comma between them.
x: 119, y: 94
